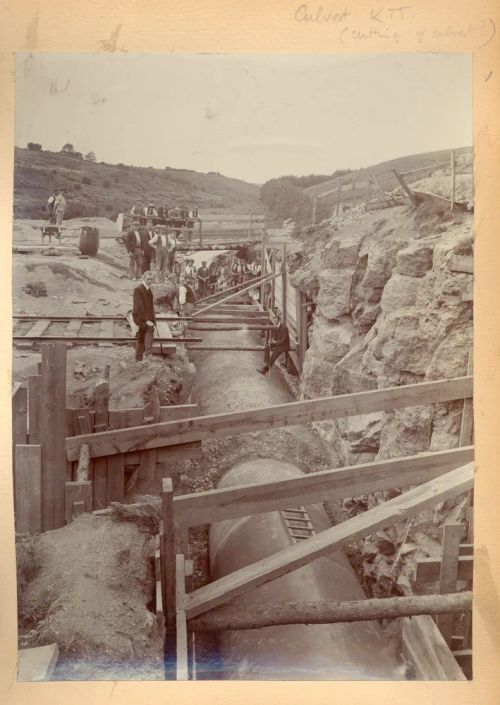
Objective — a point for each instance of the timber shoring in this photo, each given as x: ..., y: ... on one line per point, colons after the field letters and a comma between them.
x: 322, y: 612
x: 290, y: 414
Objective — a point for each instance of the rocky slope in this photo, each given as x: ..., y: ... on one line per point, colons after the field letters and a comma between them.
x: 389, y: 311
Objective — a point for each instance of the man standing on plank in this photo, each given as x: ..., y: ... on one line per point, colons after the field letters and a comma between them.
x: 134, y: 248
x: 279, y: 345
x: 143, y: 313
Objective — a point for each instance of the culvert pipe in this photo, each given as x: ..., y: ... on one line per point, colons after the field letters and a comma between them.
x: 347, y: 651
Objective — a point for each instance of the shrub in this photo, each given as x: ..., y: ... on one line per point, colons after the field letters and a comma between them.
x: 34, y: 147
x: 86, y: 180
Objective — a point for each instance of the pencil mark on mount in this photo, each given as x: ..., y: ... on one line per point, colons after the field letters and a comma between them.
x: 32, y: 32
x: 487, y: 78
x: 303, y: 14
x: 110, y: 44
x: 494, y: 28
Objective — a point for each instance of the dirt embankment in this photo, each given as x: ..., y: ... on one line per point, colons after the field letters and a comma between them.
x: 89, y: 586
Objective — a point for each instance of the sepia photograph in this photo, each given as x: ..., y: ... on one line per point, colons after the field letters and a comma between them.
x: 242, y: 418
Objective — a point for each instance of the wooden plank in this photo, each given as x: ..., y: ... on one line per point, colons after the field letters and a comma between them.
x: 183, y: 451
x: 453, y: 180
x: 38, y: 663
x: 464, y: 659
x: 461, y: 263
x: 27, y: 489
x: 34, y: 406
x: 441, y: 488
x: 178, y: 411
x: 428, y: 569
x: 149, y: 457
x: 169, y: 560
x: 425, y: 648
x: 78, y: 509
x: 448, y: 575
x: 106, y: 331
x: 244, y: 500
x: 247, y: 288
x: 73, y: 327
x: 39, y: 328
x: 405, y: 188
x: 301, y: 412
x: 19, y: 414
x: 182, y: 673
x: 116, y: 463
x: 90, y: 339
x: 78, y: 491
x: 52, y: 433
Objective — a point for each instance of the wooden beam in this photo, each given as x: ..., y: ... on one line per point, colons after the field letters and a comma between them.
x: 248, y: 287
x: 178, y: 411
x: 19, y: 414
x: 27, y: 489
x: 52, y: 433
x: 226, y: 348
x: 464, y: 659
x: 453, y: 180
x: 290, y: 414
x: 228, y: 617
x: 452, y: 533
x: 428, y: 569
x: 34, y: 406
x: 427, y: 651
x: 83, y: 469
x: 182, y: 673
x: 293, y: 557
x: 82, y: 340
x: 405, y: 188
x: 244, y: 500
x: 168, y: 551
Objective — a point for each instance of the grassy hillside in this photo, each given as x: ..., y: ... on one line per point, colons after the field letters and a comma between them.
x: 98, y: 189
x: 384, y: 174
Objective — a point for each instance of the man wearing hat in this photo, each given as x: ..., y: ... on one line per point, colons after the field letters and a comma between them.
x: 278, y: 345
x: 134, y: 248
x: 203, y: 276
x: 190, y: 272
x: 160, y: 242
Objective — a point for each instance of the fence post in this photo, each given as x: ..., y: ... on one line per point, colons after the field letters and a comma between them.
x: 53, y: 434
x: 181, y: 642
x: 453, y: 178
x: 452, y: 534
x: 167, y: 550
x: 283, y: 283
x: 315, y: 205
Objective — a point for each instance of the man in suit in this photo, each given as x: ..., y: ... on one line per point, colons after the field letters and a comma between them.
x: 279, y: 345
x: 143, y: 313
x: 134, y: 248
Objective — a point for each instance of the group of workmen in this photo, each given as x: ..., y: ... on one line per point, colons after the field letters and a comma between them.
x: 56, y: 207
x: 151, y: 211
x: 144, y: 316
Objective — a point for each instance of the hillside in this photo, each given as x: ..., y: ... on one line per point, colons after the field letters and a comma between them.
x: 99, y: 189
x: 383, y: 171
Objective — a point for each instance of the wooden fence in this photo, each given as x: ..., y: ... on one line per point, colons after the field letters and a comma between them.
x: 48, y: 489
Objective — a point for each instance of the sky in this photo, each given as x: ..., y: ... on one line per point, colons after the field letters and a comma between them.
x: 253, y: 117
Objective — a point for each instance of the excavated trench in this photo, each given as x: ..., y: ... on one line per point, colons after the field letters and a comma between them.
x: 229, y: 381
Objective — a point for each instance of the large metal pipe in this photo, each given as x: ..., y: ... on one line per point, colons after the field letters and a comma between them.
x: 359, y: 650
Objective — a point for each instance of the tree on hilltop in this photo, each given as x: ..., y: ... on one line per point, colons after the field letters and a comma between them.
x: 68, y: 147
x: 34, y: 147
x: 90, y: 157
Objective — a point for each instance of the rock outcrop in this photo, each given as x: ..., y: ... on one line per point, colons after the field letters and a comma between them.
x: 390, y: 311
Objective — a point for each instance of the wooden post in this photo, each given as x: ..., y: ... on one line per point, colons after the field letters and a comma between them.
x: 273, y: 283
x: 314, y: 209
x: 301, y: 327
x: 353, y: 193
x: 34, y: 390
x: 168, y: 574
x: 367, y: 192
x: 19, y: 414
x: 449, y: 573
x: 182, y: 533
x: 27, y: 489
x: 453, y: 180
x: 405, y: 188
x: 101, y: 406
x: 182, y: 673
x: 337, y: 209
x: 52, y: 434
x: 262, y: 266
x: 283, y: 283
